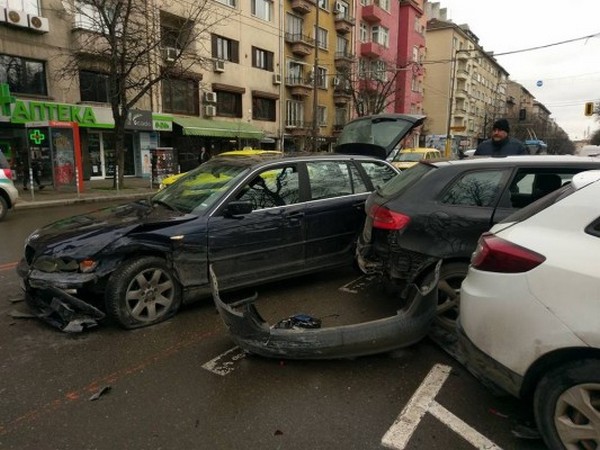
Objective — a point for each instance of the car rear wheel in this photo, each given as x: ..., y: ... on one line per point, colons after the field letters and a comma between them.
x: 567, y: 406
x: 142, y: 292
x: 3, y: 207
x: 451, y: 277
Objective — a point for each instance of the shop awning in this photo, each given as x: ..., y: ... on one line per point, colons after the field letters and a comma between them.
x: 195, y: 126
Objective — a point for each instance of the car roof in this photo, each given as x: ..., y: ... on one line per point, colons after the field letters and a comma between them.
x: 516, y: 160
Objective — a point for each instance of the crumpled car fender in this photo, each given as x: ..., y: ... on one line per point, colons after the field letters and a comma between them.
x: 254, y: 335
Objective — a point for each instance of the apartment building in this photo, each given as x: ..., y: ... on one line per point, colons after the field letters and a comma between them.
x: 465, y: 87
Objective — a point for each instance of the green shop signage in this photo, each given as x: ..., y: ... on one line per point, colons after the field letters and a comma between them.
x: 18, y: 111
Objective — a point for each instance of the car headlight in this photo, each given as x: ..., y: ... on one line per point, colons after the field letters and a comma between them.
x: 51, y: 264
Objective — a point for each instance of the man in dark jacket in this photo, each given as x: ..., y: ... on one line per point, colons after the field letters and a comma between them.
x: 500, y: 144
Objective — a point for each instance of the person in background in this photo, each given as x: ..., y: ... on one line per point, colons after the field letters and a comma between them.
x: 35, y: 169
x: 204, y: 155
x: 500, y: 144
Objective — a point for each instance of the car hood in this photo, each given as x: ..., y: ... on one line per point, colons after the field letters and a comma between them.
x: 86, y: 234
x: 376, y: 135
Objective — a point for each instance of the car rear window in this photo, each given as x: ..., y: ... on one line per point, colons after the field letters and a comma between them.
x: 405, y: 179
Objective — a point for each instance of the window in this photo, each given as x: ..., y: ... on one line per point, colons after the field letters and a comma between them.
x: 272, y: 188
x: 323, y: 4
x: 23, y: 76
x: 180, y: 96
x: 378, y: 173
x: 264, y: 109
x: 225, y: 49
x: 263, y: 9
x: 322, y: 37
x: 29, y: 6
x: 363, y: 32
x: 384, y: 4
x: 342, y: 8
x: 415, y: 54
x: 475, y: 189
x: 294, y: 25
x: 342, y: 46
x: 229, y: 104
x: 322, y: 77
x: 94, y: 87
x: 295, y: 73
x: 322, y: 116
x: 231, y: 3
x: 341, y: 117
x: 381, y: 36
x: 329, y: 179
x: 379, y: 70
x: 262, y: 59
x: 294, y: 113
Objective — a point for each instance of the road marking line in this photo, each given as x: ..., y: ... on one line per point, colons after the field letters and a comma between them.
x: 461, y: 428
x: 224, y: 363
x: 8, y: 266
x: 423, y: 401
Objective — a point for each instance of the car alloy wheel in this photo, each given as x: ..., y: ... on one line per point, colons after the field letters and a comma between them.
x: 451, y: 277
x: 567, y: 406
x: 142, y: 292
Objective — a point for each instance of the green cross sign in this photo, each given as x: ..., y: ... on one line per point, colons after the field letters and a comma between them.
x: 37, y: 136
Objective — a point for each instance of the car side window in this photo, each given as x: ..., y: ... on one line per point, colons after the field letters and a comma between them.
x: 329, y: 179
x: 529, y: 185
x: 379, y: 173
x: 474, y: 189
x: 273, y: 187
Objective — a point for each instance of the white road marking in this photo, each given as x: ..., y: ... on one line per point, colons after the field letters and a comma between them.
x: 423, y: 401
x: 224, y: 363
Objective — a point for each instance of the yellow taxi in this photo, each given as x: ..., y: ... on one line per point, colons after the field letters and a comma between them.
x: 408, y: 157
x: 244, y: 152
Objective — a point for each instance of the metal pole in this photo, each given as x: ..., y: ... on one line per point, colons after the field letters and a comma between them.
x: 315, y: 124
x: 31, y: 182
x: 117, y: 176
x: 77, y: 181
x: 448, y: 150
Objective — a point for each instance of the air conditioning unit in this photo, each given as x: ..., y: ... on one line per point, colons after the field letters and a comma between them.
x: 17, y: 18
x: 337, y: 8
x: 210, y: 110
x: 170, y: 54
x: 219, y: 65
x: 276, y: 78
x: 210, y: 97
x: 39, y: 24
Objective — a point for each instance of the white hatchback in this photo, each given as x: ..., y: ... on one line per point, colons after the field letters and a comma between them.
x: 530, y: 311
x: 8, y: 191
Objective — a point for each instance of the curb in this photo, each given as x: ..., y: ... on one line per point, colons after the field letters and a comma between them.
x: 72, y: 201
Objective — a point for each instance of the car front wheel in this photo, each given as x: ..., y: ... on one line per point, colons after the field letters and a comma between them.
x: 142, y: 292
x: 567, y: 406
x: 3, y: 207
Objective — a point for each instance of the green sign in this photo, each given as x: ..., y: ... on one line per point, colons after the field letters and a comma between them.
x: 37, y: 136
x: 48, y: 111
x: 5, y: 99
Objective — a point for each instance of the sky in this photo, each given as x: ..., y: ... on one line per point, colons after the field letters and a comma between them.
x: 561, y: 77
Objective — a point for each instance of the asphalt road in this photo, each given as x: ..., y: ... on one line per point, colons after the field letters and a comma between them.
x: 183, y: 385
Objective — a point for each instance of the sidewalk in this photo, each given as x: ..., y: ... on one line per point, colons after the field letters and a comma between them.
x: 93, y: 191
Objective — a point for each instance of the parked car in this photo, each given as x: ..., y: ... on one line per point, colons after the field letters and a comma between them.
x: 255, y: 219
x: 245, y: 152
x: 8, y: 191
x: 530, y: 311
x: 438, y: 210
x: 408, y: 157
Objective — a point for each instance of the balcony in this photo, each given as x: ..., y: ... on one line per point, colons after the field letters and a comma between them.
x: 371, y: 50
x: 343, y: 60
x: 86, y: 42
x: 298, y: 128
x: 298, y: 86
x: 344, y: 23
x: 341, y: 96
x: 300, y: 45
x: 372, y: 13
x: 462, y: 74
x: 302, y: 6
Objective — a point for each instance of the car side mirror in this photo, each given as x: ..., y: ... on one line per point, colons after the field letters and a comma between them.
x: 238, y: 208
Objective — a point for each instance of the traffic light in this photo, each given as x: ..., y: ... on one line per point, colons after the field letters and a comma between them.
x: 589, y: 109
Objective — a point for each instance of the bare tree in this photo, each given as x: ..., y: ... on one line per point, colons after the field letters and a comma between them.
x: 128, y: 39
x: 373, y: 89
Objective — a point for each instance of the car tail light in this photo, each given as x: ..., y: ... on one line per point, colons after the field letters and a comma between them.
x: 386, y: 219
x: 8, y: 173
x: 494, y: 254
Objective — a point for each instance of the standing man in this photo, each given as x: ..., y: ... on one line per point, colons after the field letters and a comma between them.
x: 500, y: 144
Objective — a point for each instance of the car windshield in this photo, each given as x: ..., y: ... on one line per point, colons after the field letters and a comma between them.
x: 199, y: 189
x: 410, y: 156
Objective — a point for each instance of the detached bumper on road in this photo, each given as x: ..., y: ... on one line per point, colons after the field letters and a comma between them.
x: 251, y: 333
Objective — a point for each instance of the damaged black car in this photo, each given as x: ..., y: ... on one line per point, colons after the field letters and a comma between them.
x: 256, y: 219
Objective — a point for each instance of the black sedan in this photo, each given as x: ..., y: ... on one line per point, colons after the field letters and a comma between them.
x: 255, y: 219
